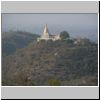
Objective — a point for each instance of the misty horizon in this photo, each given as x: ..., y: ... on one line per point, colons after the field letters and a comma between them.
x: 78, y: 25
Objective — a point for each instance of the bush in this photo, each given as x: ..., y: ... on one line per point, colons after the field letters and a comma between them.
x: 42, y: 41
x: 53, y: 82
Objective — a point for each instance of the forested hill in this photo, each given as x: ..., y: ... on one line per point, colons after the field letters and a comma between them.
x: 13, y: 40
x: 52, y: 63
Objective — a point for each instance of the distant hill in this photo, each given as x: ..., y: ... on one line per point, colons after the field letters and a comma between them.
x: 52, y: 63
x: 11, y: 41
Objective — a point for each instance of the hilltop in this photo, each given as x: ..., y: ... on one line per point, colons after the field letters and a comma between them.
x: 52, y: 63
x: 14, y: 40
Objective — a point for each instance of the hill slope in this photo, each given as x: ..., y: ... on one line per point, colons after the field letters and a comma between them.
x: 11, y: 41
x: 52, y: 63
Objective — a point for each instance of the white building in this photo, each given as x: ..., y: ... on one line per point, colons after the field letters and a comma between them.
x: 47, y: 36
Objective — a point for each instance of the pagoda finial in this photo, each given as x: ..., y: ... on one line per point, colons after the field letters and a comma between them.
x: 46, y: 29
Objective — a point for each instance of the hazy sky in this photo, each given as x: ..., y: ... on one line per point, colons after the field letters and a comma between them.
x: 76, y: 24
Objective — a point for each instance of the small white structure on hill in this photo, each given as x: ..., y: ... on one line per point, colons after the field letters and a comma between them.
x: 47, y: 36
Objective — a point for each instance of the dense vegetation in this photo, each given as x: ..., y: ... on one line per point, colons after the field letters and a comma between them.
x: 52, y: 63
x: 64, y: 35
x: 13, y: 40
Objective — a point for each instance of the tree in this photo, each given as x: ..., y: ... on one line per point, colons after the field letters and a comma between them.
x: 64, y: 35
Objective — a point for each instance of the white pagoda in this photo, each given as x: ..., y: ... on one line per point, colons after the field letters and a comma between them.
x: 47, y: 36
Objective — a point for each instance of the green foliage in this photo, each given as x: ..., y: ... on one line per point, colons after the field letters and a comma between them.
x: 64, y: 35
x: 42, y: 41
x: 70, y: 41
x: 53, y: 82
x: 52, y: 63
x: 22, y: 79
x: 11, y: 41
x: 50, y: 41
